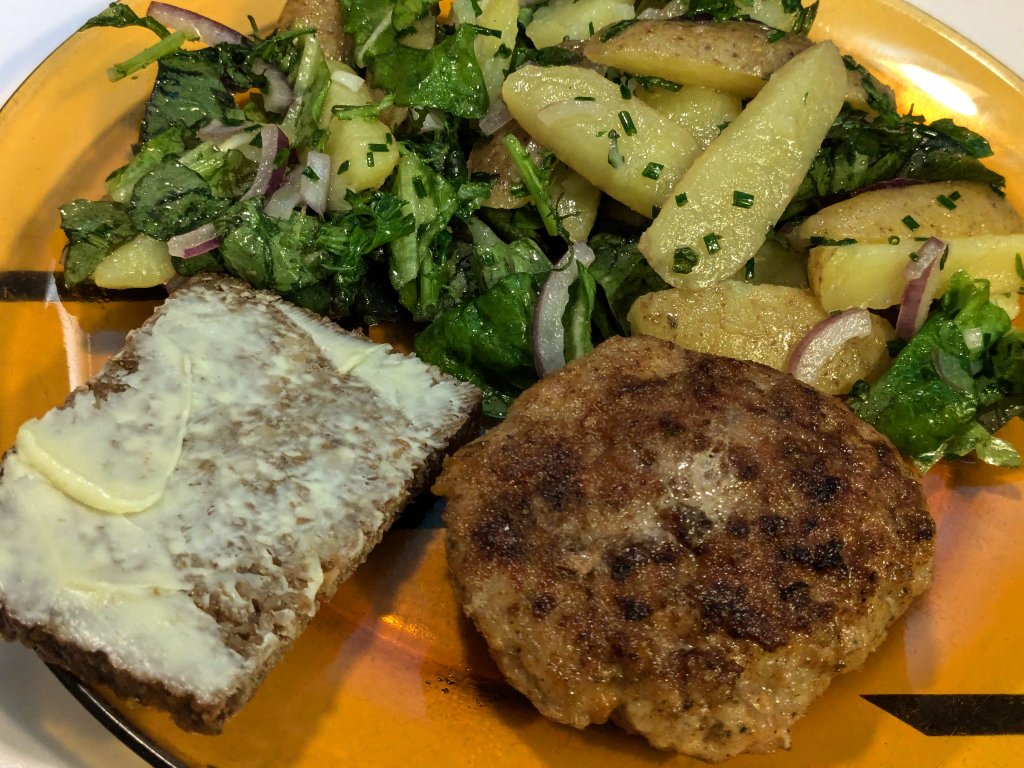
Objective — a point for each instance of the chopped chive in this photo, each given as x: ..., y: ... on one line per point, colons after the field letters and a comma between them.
x: 377, y: 147
x: 711, y: 243
x: 389, y: 139
x: 585, y: 98
x: 627, y: 123
x: 343, y: 167
x: 616, y: 29
x: 477, y: 10
x: 655, y: 210
x: 748, y: 270
x: 943, y: 257
x: 921, y: 239
x: 370, y: 162
x: 954, y: 195
x: 914, y: 256
x: 1020, y: 266
x: 684, y: 260
x: 624, y: 90
x: 776, y: 35
x: 894, y: 240
x: 310, y: 174
x: 419, y: 186
x: 652, y: 171
x: 519, y: 190
x: 485, y: 31
x: 503, y: 51
x: 742, y: 199
x: 681, y: 199
x: 590, y: 26
x: 911, y: 223
x: 945, y: 202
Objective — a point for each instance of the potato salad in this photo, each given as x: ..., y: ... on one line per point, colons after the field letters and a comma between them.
x: 517, y: 181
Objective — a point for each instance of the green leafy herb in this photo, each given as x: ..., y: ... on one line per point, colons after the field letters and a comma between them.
x: 742, y: 199
x: 684, y: 260
x: 946, y: 202
x: 623, y: 275
x: 652, y: 171
x: 910, y: 223
x: 943, y: 397
x: 119, y: 15
x: 94, y: 230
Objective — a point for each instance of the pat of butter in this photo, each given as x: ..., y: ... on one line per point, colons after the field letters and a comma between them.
x: 117, y: 459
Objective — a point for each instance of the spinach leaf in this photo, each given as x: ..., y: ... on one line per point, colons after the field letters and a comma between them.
x: 576, y: 319
x: 493, y: 259
x: 447, y: 77
x: 408, y: 12
x: 121, y: 182
x: 120, y: 15
x: 94, y: 230
x: 933, y: 398
x: 487, y: 341
x: 189, y: 93
x: 310, y: 84
x: 369, y: 23
x: 171, y: 199
x: 623, y: 274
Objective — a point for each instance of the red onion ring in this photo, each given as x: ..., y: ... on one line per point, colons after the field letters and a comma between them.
x: 548, y: 330
x: 206, y: 29
x: 268, y: 176
x: 824, y: 340
x: 194, y: 243
x: 922, y: 278
x: 315, y: 193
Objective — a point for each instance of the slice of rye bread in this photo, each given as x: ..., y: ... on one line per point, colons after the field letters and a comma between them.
x: 299, y: 445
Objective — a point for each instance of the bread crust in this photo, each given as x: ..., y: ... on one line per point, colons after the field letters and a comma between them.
x: 95, y: 668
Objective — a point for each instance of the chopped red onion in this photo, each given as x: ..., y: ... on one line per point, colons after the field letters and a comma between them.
x: 315, y: 191
x: 279, y: 95
x: 824, y: 340
x: 268, y: 176
x: 282, y: 203
x: 194, y: 243
x: 217, y: 131
x: 497, y: 117
x: 206, y: 29
x: 548, y: 330
x: 922, y: 278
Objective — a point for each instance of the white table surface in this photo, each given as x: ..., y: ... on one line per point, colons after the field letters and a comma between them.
x: 41, y: 726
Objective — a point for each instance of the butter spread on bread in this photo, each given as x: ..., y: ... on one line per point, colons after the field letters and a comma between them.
x: 180, y: 517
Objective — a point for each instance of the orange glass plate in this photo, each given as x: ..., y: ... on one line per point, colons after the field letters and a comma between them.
x: 390, y: 674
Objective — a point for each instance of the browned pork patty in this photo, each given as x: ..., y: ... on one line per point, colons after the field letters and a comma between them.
x: 689, y: 545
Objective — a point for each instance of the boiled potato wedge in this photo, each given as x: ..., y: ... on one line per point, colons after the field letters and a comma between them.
x: 945, y: 209
x: 763, y: 323
x: 719, y: 212
x: 581, y: 117
x: 702, y: 111
x: 501, y: 15
x: 733, y: 57
x: 576, y: 202
x: 775, y: 263
x: 871, y: 275
x: 139, y: 263
x: 574, y: 19
x: 357, y: 167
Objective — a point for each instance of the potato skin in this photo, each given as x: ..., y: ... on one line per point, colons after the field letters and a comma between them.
x: 877, y: 215
x: 328, y: 20
x: 733, y: 56
x: 763, y: 323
